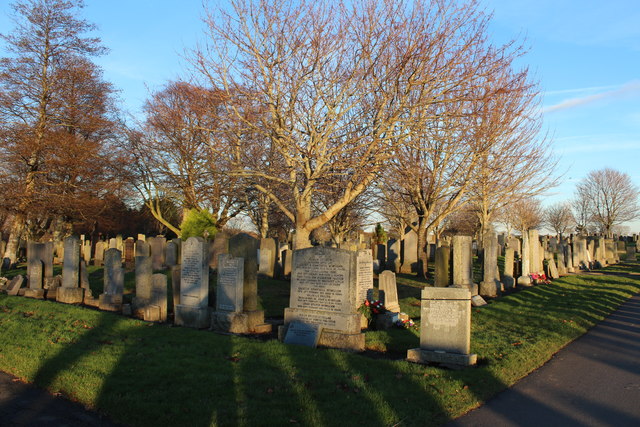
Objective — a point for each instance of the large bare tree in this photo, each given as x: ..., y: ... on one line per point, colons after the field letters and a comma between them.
x: 610, y: 197
x: 559, y: 218
x: 344, y: 84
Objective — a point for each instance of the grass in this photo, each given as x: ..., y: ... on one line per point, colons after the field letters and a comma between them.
x: 145, y: 374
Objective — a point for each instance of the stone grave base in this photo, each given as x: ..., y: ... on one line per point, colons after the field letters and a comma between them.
x: 453, y: 360
x: 34, y: 293
x: 51, y: 294
x: 192, y: 317
x: 153, y: 313
x: 473, y: 288
x: 108, y: 302
x: 70, y: 295
x: 387, y: 320
x: 248, y: 322
x: 91, y: 301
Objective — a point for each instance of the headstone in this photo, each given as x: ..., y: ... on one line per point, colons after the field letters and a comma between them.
x: 129, y: 252
x: 35, y: 264
x: 477, y: 301
x: 230, y: 282
x: 86, y: 251
x: 463, y: 263
x: 250, y: 320
x: 219, y: 245
x: 142, y: 248
x: 141, y: 238
x: 507, y: 277
x: 119, y: 243
x: 193, y: 309
x: 525, y: 278
x: 157, y: 245
x: 13, y: 288
x: 35, y: 289
x: 300, y: 333
x: 324, y: 292
x: 111, y: 298
x: 70, y: 292
x: 381, y: 256
x: 287, y: 254
x: 409, y: 253
x: 267, y: 257
x: 364, y: 266
x: 490, y: 285
x: 553, y: 269
x: 171, y: 254
x: 144, y: 273
x: 388, y: 290
x: 393, y: 255
x: 99, y: 256
x: 175, y: 286
x: 442, y: 267
x: 113, y: 243
x: 156, y: 310
x: 445, y: 328
x: 535, y: 260
x: 630, y: 253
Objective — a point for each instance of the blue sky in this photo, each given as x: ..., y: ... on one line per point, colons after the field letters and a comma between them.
x: 585, y: 54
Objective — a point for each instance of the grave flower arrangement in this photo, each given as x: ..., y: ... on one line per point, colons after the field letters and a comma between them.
x: 370, y: 309
x: 539, y: 278
x: 406, y: 324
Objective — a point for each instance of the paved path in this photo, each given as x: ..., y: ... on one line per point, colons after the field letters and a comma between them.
x: 594, y: 381
x: 24, y: 405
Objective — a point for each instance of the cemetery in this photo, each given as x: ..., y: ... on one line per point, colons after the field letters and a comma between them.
x: 283, y: 343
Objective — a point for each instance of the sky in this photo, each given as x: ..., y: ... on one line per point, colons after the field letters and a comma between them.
x: 585, y: 54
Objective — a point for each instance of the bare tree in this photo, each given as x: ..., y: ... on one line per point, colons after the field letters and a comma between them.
x: 611, y: 197
x: 345, y: 85
x: 559, y: 218
x: 526, y: 214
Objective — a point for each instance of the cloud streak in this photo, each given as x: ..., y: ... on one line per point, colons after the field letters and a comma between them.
x: 627, y: 88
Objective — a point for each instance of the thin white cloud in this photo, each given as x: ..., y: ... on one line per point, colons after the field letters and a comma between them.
x: 627, y: 88
x: 601, y: 147
x: 580, y: 90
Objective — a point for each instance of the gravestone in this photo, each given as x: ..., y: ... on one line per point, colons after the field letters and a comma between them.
x: 113, y: 244
x: 70, y: 292
x: 141, y: 237
x: 562, y: 262
x: 229, y: 284
x: 409, y: 253
x: 119, y: 243
x: 250, y: 320
x: 111, y: 298
x: 39, y: 256
x: 535, y: 260
x: 364, y: 266
x: 553, y: 269
x: 305, y: 334
x: 86, y: 251
x: 35, y: 289
x: 267, y: 260
x: 286, y: 262
x: 463, y: 264
x: 490, y: 285
x: 193, y: 310
x: 156, y: 309
x: 175, y: 287
x: 393, y: 255
x: 15, y: 284
x: 129, y: 252
x: 388, y: 291
x: 157, y: 245
x: 324, y: 292
x: 525, y: 278
x: 142, y: 248
x: 171, y: 254
x: 507, y: 277
x: 99, y: 255
x: 144, y: 273
x: 630, y: 253
x: 445, y: 328
x: 442, y: 267
x: 218, y: 246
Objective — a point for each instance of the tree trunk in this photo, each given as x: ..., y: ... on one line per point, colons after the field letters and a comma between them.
x: 301, y: 238
x: 423, y: 255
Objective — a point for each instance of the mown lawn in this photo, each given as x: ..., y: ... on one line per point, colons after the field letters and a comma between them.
x: 145, y: 374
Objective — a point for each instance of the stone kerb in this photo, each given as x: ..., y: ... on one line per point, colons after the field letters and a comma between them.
x: 324, y: 292
x: 193, y: 310
x: 445, y: 328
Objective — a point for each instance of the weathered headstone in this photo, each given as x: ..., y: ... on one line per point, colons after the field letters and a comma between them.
x: 86, y: 251
x: 129, y: 252
x: 157, y: 245
x: 111, y: 298
x: 445, y: 328
x: 142, y: 248
x: 630, y: 253
x: 35, y: 289
x: 193, y: 310
x: 175, y: 286
x: 305, y: 334
x: 409, y: 253
x: 463, y: 264
x: 70, y: 292
x: 144, y: 272
x: 156, y: 309
x: 13, y: 288
x: 250, y: 320
x: 230, y: 284
x: 99, y: 256
x: 442, y: 267
x: 388, y: 290
x: 364, y: 269
x: 393, y: 255
x: 171, y: 254
x: 507, y: 277
x: 287, y: 254
x: 324, y: 292
x: 525, y: 278
x: 490, y: 285
x: 267, y: 260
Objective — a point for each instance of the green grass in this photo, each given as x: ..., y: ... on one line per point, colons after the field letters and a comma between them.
x: 143, y: 374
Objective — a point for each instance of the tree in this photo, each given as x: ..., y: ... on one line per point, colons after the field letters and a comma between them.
x: 610, y: 196
x: 344, y: 85
x: 559, y: 218
x: 526, y: 214
x: 54, y: 113
x: 181, y: 155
